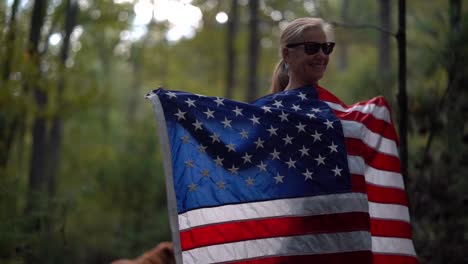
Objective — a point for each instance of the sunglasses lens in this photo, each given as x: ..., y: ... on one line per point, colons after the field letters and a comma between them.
x: 311, y: 48
x: 327, y: 48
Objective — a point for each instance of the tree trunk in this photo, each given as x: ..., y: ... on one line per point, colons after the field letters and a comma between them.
x: 136, y: 82
x: 8, y: 123
x: 385, y: 66
x: 56, y: 131
x: 402, y: 96
x: 137, y: 63
x: 230, y: 49
x: 10, y: 42
x: 252, y: 85
x: 455, y: 120
x: 105, y: 48
x: 343, y: 51
x: 37, y: 170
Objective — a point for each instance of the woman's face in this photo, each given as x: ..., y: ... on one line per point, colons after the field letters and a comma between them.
x: 306, y: 69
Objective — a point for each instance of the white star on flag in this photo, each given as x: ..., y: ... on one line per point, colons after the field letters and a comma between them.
x: 192, y: 187
x: 272, y: 131
x: 278, y: 178
x: 337, y: 171
x: 255, y: 120
x: 246, y: 158
x: 316, y: 136
x: 244, y: 134
x: 221, y: 185
x: 171, y: 95
x: 185, y: 139
x: 215, y: 138
x: 197, y: 125
x: 320, y: 160
x: 180, y: 115
x: 307, y: 174
x: 275, y: 154
x: 202, y: 148
x: 328, y: 123
x: 250, y: 181
x: 304, y: 151
x: 288, y: 139
x: 283, y: 116
x: 302, y: 96
x: 205, y: 172
x: 219, y: 161
x: 266, y: 109
x: 233, y: 169
x: 190, y: 102
x: 296, y: 107
x: 278, y: 104
x: 301, y: 127
x: 238, y: 111
x: 219, y: 101
x: 227, y: 123
x: 209, y: 113
x: 259, y: 143
x: 231, y: 147
x: 291, y: 163
x: 189, y: 163
x: 262, y: 166
x: 333, y: 147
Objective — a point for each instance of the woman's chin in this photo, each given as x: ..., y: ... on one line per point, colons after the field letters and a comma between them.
x: 315, y: 77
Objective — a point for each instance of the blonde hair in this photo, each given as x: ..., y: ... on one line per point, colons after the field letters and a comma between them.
x: 293, y: 33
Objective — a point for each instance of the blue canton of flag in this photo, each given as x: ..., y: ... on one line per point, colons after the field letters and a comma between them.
x: 281, y: 146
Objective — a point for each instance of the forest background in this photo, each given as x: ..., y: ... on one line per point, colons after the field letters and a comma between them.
x: 81, y: 177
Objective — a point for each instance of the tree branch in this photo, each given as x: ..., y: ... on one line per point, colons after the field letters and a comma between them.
x: 362, y: 26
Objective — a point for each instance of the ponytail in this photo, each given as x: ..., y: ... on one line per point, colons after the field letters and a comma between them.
x: 280, y: 77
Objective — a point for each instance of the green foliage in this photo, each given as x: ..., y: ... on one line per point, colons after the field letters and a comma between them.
x: 110, y: 200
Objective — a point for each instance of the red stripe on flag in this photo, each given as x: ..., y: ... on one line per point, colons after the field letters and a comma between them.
x: 357, y: 257
x: 372, y: 157
x: 373, y: 124
x: 390, y: 228
x: 392, y: 259
x: 381, y: 194
x: 358, y: 183
x: 275, y: 227
x: 325, y: 95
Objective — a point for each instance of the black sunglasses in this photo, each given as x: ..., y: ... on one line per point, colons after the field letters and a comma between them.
x: 313, y: 47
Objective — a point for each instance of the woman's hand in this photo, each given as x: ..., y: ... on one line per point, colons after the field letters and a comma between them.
x: 161, y: 254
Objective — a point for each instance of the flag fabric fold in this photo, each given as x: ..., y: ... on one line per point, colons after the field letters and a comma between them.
x: 294, y: 177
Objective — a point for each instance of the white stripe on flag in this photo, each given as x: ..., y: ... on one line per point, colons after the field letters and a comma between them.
x: 167, y: 162
x: 379, y: 112
x: 389, y: 211
x: 289, y: 246
x: 306, y: 206
x: 393, y: 245
x: 354, y: 129
x: 374, y: 176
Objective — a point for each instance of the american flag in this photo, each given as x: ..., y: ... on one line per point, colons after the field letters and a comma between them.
x: 294, y: 177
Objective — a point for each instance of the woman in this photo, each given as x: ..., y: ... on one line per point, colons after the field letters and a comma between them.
x: 305, y: 46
